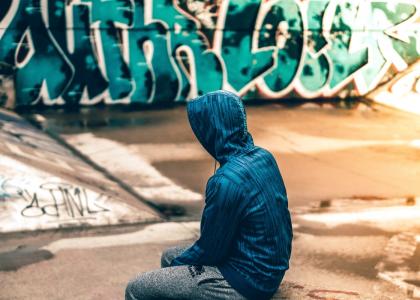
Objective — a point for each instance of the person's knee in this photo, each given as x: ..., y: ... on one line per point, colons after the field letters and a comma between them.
x: 142, y: 287
x: 166, y: 258
x: 129, y: 295
x: 136, y: 289
x: 168, y: 255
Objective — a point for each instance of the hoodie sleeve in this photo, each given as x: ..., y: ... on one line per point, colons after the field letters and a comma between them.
x: 219, y: 223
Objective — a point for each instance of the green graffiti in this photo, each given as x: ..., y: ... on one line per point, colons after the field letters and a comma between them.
x: 40, y: 64
x: 147, y: 51
x: 243, y: 64
x: 315, y: 70
x: 110, y: 17
x: 315, y: 38
x: 77, y: 47
x: 201, y: 69
x: 282, y: 30
x: 331, y: 62
x: 387, y: 50
x: 151, y: 62
x: 345, y: 62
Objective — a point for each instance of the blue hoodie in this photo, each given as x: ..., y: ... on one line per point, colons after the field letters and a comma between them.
x: 246, y: 229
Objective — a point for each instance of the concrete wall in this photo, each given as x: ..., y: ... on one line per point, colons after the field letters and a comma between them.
x: 84, y: 52
x: 402, y: 92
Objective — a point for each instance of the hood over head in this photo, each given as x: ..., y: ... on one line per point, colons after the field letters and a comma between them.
x: 218, y: 120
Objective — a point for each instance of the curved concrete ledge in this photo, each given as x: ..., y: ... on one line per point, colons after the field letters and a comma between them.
x: 44, y: 185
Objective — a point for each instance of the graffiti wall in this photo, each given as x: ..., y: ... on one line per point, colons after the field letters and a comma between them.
x: 84, y: 52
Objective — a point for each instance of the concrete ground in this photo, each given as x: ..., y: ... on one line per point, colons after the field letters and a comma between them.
x: 323, y: 152
x: 352, y: 177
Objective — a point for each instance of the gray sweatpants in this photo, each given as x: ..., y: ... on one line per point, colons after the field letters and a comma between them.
x: 180, y: 282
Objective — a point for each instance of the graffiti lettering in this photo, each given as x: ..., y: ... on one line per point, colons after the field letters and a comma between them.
x: 74, y: 201
x: 83, y: 52
x: 60, y: 200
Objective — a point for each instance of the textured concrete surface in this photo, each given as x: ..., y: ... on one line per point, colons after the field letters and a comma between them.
x: 324, y: 152
x: 43, y: 185
x: 98, y: 265
x: 352, y: 179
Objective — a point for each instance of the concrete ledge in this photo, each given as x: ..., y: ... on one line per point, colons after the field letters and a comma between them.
x: 44, y: 185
